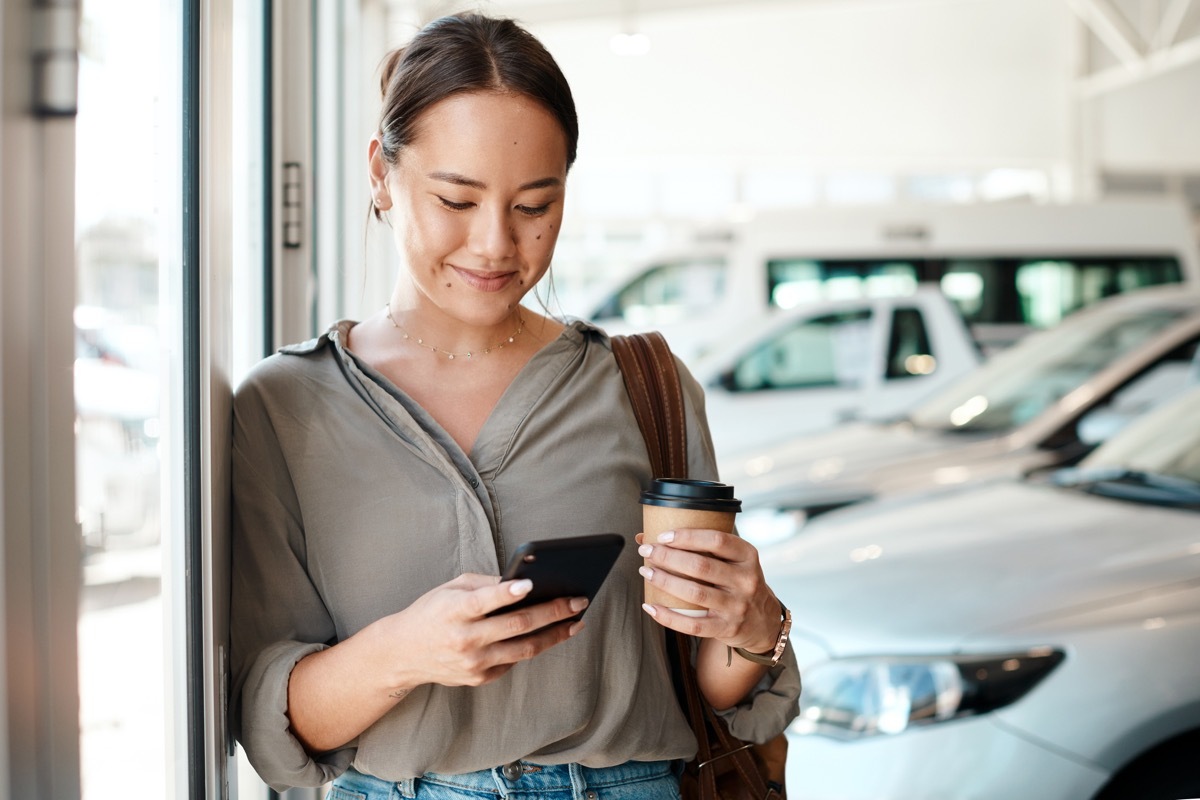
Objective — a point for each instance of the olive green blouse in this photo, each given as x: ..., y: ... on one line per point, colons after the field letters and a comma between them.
x: 350, y: 502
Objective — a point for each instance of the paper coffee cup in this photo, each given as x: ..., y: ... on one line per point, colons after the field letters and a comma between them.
x: 670, y: 504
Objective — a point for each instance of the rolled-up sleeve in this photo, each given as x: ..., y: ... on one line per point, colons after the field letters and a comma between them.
x: 277, y: 616
x: 775, y: 701
x: 771, y: 706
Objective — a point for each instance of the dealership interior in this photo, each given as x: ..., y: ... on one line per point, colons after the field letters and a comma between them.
x: 931, y: 270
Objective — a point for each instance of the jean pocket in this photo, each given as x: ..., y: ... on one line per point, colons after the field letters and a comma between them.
x: 338, y: 793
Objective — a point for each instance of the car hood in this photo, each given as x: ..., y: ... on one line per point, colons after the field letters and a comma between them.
x: 923, y: 576
x: 848, y: 464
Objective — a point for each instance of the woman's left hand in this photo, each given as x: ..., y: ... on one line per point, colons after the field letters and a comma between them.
x: 721, y: 572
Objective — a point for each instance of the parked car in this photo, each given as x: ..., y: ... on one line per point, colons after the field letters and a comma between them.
x: 116, y: 433
x: 811, y: 368
x: 1020, y: 638
x: 1044, y: 402
x: 1010, y: 267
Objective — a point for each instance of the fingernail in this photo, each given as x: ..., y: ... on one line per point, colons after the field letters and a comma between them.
x: 649, y: 609
x: 575, y: 628
x: 579, y: 603
x: 666, y: 536
x: 520, y: 587
x: 645, y: 550
x: 646, y: 572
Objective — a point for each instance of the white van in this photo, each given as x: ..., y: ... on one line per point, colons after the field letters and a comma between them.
x: 1008, y: 267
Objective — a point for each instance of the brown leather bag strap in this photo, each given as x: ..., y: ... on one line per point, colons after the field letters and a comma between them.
x: 652, y: 380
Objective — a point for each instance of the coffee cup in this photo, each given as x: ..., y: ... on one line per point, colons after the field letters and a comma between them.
x: 670, y: 504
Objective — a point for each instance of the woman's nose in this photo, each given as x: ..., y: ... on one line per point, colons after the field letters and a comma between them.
x: 492, y: 235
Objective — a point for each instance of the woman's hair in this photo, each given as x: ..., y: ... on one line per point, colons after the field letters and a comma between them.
x: 468, y: 53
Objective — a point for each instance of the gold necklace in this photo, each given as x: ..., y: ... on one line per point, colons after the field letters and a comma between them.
x: 447, y: 353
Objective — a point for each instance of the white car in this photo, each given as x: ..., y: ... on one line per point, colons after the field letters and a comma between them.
x: 1020, y: 638
x: 1009, y: 267
x: 1040, y: 403
x: 116, y: 433
x: 814, y: 367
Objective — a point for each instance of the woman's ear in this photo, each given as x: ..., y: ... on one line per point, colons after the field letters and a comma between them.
x: 377, y: 170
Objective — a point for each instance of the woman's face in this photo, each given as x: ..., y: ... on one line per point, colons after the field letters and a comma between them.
x: 476, y: 202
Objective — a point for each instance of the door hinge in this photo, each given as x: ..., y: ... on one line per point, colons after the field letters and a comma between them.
x: 55, y: 53
x: 293, y: 205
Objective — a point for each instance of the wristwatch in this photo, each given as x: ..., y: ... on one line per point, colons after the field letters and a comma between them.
x: 772, y: 658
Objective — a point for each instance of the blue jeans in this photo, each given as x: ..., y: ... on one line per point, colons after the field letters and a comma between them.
x: 633, y: 780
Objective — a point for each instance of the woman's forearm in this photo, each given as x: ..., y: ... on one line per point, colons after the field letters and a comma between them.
x: 334, y: 695
x: 725, y: 681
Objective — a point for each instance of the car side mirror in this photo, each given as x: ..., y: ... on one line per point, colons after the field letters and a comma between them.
x: 727, y: 380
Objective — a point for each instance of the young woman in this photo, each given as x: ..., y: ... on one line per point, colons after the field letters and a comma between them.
x: 384, y: 471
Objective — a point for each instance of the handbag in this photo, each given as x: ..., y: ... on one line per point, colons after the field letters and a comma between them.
x: 725, y: 768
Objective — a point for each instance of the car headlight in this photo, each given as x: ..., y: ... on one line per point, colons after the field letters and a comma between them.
x: 857, y: 697
x: 763, y: 526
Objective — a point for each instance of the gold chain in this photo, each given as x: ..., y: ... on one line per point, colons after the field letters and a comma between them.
x: 447, y: 353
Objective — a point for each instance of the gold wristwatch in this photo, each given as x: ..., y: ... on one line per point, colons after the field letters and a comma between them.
x: 772, y: 658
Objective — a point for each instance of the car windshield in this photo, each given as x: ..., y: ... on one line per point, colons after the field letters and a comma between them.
x: 1166, y: 442
x: 1019, y: 383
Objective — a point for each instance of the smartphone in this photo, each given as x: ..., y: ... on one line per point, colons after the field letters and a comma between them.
x: 572, y: 567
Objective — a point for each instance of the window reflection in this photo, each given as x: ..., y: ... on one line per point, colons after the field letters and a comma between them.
x: 117, y: 398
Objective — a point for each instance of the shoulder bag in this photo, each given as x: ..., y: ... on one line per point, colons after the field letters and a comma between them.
x: 725, y: 768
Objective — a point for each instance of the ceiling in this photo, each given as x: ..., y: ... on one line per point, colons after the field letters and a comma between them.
x: 544, y: 11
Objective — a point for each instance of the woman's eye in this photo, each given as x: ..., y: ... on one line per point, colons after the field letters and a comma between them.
x: 453, y: 206
x: 534, y: 211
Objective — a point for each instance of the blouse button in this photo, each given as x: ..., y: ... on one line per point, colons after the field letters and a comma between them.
x: 474, y: 482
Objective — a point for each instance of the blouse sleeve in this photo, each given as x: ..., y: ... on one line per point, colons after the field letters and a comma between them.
x: 775, y: 701
x: 277, y: 616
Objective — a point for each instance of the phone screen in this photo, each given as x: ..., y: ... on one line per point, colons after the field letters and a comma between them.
x: 571, y: 567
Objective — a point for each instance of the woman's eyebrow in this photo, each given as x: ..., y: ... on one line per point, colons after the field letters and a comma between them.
x: 463, y: 180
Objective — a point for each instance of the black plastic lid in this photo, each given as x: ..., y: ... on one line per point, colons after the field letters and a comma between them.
x: 694, y: 495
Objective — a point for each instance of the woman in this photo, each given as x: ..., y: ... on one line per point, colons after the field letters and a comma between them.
x: 384, y: 471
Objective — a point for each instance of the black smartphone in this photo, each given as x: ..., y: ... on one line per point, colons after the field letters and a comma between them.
x: 572, y: 567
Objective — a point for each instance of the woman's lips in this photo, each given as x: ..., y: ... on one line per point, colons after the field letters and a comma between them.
x: 485, y: 281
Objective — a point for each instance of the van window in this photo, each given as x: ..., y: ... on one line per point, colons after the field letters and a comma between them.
x: 830, y: 350
x: 909, y: 352
x: 1041, y: 291
x: 668, y: 292
x: 1035, y: 291
x: 794, y: 281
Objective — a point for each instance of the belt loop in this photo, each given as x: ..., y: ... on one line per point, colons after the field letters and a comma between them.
x: 407, y: 788
x: 499, y: 779
x: 578, y: 784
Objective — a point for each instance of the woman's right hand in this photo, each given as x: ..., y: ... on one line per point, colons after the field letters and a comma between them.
x: 446, y: 636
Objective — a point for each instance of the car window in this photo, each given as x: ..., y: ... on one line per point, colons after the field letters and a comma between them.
x: 1042, y: 291
x: 1019, y: 383
x: 830, y: 350
x: 668, y: 292
x: 909, y: 351
x: 793, y: 281
x: 1163, y: 443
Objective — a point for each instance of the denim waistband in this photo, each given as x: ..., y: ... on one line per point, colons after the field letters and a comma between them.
x: 519, y: 776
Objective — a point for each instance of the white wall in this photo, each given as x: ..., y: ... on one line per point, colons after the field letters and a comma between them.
x: 912, y: 83
x: 1152, y: 126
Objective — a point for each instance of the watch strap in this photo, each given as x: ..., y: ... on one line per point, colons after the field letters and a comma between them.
x: 772, y: 658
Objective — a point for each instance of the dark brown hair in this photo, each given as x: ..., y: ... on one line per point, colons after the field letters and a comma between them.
x: 468, y: 53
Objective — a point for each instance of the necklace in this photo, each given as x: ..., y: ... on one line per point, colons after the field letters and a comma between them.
x: 447, y: 353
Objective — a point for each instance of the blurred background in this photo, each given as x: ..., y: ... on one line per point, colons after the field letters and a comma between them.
x: 935, y: 262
